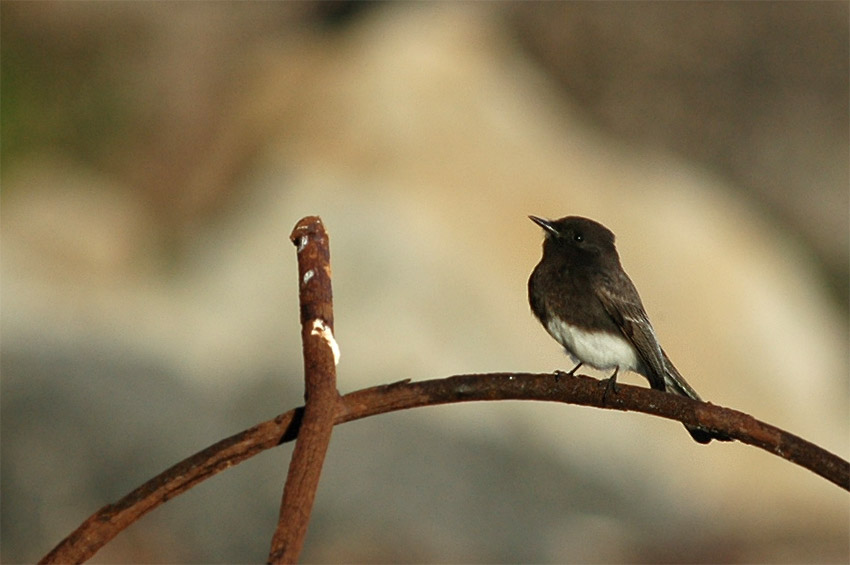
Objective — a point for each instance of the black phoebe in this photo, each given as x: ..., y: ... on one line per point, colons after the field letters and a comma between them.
x: 586, y: 301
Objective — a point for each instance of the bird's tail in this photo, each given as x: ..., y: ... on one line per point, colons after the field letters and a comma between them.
x: 674, y: 382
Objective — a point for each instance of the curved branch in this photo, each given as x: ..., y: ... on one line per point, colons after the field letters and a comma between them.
x: 107, y: 522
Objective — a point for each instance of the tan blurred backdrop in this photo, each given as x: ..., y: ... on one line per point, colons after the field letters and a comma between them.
x: 155, y: 157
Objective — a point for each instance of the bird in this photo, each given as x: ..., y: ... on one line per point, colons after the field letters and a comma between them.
x: 585, y: 300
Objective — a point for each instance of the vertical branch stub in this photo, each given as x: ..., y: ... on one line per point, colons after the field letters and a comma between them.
x: 314, y: 272
x: 321, y: 355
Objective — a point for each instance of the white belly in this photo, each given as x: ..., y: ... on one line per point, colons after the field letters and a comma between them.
x: 600, y: 350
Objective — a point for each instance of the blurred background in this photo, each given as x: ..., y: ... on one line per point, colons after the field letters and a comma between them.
x: 155, y: 157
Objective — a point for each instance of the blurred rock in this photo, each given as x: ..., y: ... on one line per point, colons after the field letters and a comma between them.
x: 743, y: 88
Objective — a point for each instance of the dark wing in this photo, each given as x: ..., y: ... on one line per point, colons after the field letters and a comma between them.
x: 633, y: 322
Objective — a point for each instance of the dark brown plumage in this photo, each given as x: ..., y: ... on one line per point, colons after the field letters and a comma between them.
x: 587, y: 302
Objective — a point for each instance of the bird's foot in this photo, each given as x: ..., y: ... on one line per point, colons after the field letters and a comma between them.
x: 611, y: 385
x: 559, y: 373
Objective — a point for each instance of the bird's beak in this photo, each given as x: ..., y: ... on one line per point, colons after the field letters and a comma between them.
x: 545, y: 224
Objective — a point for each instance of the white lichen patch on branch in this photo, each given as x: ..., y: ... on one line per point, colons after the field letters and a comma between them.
x: 321, y: 329
x: 307, y: 276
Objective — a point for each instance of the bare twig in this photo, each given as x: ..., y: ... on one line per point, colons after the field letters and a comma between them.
x: 320, y: 357
x: 110, y: 520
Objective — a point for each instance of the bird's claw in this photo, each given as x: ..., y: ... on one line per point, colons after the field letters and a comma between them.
x: 610, y: 386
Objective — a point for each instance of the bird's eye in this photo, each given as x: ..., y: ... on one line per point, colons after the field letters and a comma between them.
x: 578, y: 236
